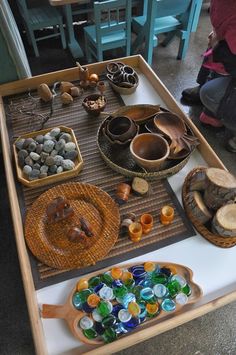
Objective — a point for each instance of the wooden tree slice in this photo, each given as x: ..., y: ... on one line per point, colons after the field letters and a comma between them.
x: 224, y: 222
x: 221, y: 188
x: 198, y: 181
x: 198, y: 207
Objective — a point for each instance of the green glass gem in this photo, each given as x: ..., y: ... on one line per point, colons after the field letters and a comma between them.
x: 120, y: 291
x: 187, y: 290
x: 130, y: 283
x: 104, y: 308
x: 159, y: 278
x: 83, y: 294
x: 109, y: 335
x: 173, y: 288
x: 90, y: 333
x: 94, y: 281
x: 76, y: 300
x: 108, y: 321
x: 136, y: 291
x: 107, y: 279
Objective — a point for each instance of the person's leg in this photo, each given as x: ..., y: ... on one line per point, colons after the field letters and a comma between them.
x: 192, y: 95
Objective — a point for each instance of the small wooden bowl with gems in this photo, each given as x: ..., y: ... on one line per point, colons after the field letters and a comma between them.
x: 109, y: 303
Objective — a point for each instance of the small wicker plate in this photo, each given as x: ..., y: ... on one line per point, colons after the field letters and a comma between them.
x: 223, y: 242
x: 53, y: 178
x: 72, y: 316
x: 49, y: 241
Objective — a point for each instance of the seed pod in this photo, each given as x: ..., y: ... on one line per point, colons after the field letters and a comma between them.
x: 66, y: 86
x: 44, y: 93
x: 66, y: 98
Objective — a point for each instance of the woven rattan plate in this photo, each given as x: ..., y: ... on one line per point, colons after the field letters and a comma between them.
x: 223, y: 242
x: 49, y: 241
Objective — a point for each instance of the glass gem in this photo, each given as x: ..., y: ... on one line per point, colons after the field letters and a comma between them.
x: 90, y: 333
x: 116, y: 273
x: 124, y: 315
x: 86, y: 323
x: 120, y: 291
x: 96, y: 316
x: 109, y: 335
x: 116, y: 309
x: 86, y: 308
x: 130, y: 283
x: 97, y: 288
x: 116, y: 283
x: 187, y: 290
x: 129, y: 297
x: 159, y: 278
x: 146, y: 282
x: 107, y: 279
x: 104, y: 308
x: 138, y: 271
x: 165, y: 270
x: 132, y: 323
x: 168, y: 305
x: 136, y: 291
x: 126, y: 276
x: 82, y: 284
x: 152, y: 308
x: 160, y: 290
x: 180, y: 279
x: 108, y: 321
x: 76, y: 300
x: 134, y: 309
x: 94, y: 281
x: 181, y: 298
x: 83, y: 294
x: 120, y: 329
x: 106, y: 293
x: 143, y: 311
x: 173, y: 288
x: 149, y: 266
x: 146, y: 293
x: 93, y: 300
x: 98, y: 328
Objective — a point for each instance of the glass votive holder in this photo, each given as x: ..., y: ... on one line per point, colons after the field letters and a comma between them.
x: 135, y: 231
x: 146, y: 221
x: 167, y: 215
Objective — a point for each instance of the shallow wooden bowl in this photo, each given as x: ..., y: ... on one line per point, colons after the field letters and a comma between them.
x: 123, y: 90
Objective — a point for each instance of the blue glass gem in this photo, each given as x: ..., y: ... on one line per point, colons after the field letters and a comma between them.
x: 86, y: 308
x: 129, y: 297
x: 117, y: 283
x: 124, y: 315
x: 143, y: 313
x: 181, y: 298
x: 166, y: 271
x: 120, y: 329
x: 106, y: 293
x: 160, y: 290
x: 145, y: 282
x: 116, y: 309
x: 132, y: 323
x: 76, y: 300
x: 146, y: 293
x: 98, y: 328
x: 168, y: 305
x: 138, y: 271
x: 86, y: 323
x: 98, y: 287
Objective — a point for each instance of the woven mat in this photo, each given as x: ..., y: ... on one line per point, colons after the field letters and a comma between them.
x: 95, y: 172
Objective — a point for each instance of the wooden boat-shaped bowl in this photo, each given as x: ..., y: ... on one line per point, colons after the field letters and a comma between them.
x: 72, y: 316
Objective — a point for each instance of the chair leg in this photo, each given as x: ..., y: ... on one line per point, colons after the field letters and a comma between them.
x: 33, y: 41
x: 62, y: 32
x: 100, y: 54
x: 87, y: 50
x: 183, y: 47
x: 169, y: 37
x: 148, y: 50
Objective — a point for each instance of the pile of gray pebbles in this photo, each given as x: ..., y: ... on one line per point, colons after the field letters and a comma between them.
x: 47, y: 154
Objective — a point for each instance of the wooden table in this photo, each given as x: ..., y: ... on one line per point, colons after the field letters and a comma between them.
x: 213, y: 267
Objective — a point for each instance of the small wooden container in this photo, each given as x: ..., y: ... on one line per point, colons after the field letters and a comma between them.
x: 122, y: 192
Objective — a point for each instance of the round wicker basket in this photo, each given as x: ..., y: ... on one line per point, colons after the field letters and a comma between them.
x: 223, y: 242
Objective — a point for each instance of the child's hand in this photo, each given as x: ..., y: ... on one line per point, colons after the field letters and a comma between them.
x: 212, y: 39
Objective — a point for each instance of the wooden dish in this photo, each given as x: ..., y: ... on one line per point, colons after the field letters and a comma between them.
x: 53, y: 178
x: 123, y: 90
x: 49, y: 241
x: 223, y: 242
x: 72, y: 316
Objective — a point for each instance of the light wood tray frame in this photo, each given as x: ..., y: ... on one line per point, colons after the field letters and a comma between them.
x: 206, y: 151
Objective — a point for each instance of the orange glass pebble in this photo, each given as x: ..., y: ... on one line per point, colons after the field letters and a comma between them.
x: 82, y: 284
x: 149, y: 266
x: 116, y: 273
x: 134, y: 309
x: 126, y: 276
x: 152, y: 308
x: 172, y: 269
x: 93, y: 300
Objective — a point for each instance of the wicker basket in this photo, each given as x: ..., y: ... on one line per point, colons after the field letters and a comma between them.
x: 223, y: 242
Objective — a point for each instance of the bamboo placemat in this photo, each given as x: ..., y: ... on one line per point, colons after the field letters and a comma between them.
x: 96, y: 172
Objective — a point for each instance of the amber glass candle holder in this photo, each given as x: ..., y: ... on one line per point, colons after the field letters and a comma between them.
x: 122, y: 192
x: 146, y: 221
x: 135, y: 231
x: 167, y: 215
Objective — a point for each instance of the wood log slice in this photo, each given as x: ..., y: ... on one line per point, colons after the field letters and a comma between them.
x: 198, y: 181
x: 224, y: 221
x: 221, y: 188
x: 198, y: 207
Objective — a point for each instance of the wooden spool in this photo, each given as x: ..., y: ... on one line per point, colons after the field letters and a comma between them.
x: 224, y: 221
x: 198, y: 207
x: 221, y: 188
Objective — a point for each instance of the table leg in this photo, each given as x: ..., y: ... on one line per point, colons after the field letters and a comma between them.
x: 73, y: 44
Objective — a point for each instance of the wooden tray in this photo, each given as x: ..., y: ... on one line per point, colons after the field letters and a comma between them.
x: 223, y: 242
x: 49, y: 241
x: 72, y: 316
x: 53, y: 178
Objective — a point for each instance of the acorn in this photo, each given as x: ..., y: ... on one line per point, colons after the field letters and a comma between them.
x: 66, y: 86
x: 45, y: 93
x: 66, y: 98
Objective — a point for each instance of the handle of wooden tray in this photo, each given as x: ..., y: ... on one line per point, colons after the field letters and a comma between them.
x: 53, y: 311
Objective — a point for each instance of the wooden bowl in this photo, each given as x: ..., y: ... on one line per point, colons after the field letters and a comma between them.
x: 123, y: 90
x: 93, y: 111
x: 150, y: 151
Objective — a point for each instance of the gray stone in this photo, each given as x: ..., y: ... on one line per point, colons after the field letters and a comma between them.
x: 22, y: 153
x: 50, y: 161
x: 53, y: 169
x: 71, y: 155
x: 70, y: 146
x: 27, y: 142
x: 67, y: 164
x: 58, y: 160
x: 27, y: 170
x: 61, y: 153
x: 42, y: 175
x: 44, y: 169
x: 34, y: 174
x: 55, y: 132
x: 39, y: 139
x: 60, y: 144
x: 34, y: 156
x: 21, y: 161
x: 48, y: 146
x: 29, y: 161
x: 39, y: 148
x: 19, y: 143
x: 32, y: 147
x: 59, y: 169
x: 66, y: 137
x: 36, y: 166
x: 44, y: 156
x: 47, y: 137
x: 53, y: 153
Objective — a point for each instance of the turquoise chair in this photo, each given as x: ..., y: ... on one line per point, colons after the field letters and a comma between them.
x: 112, y: 28
x: 171, y: 17
x: 37, y: 18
